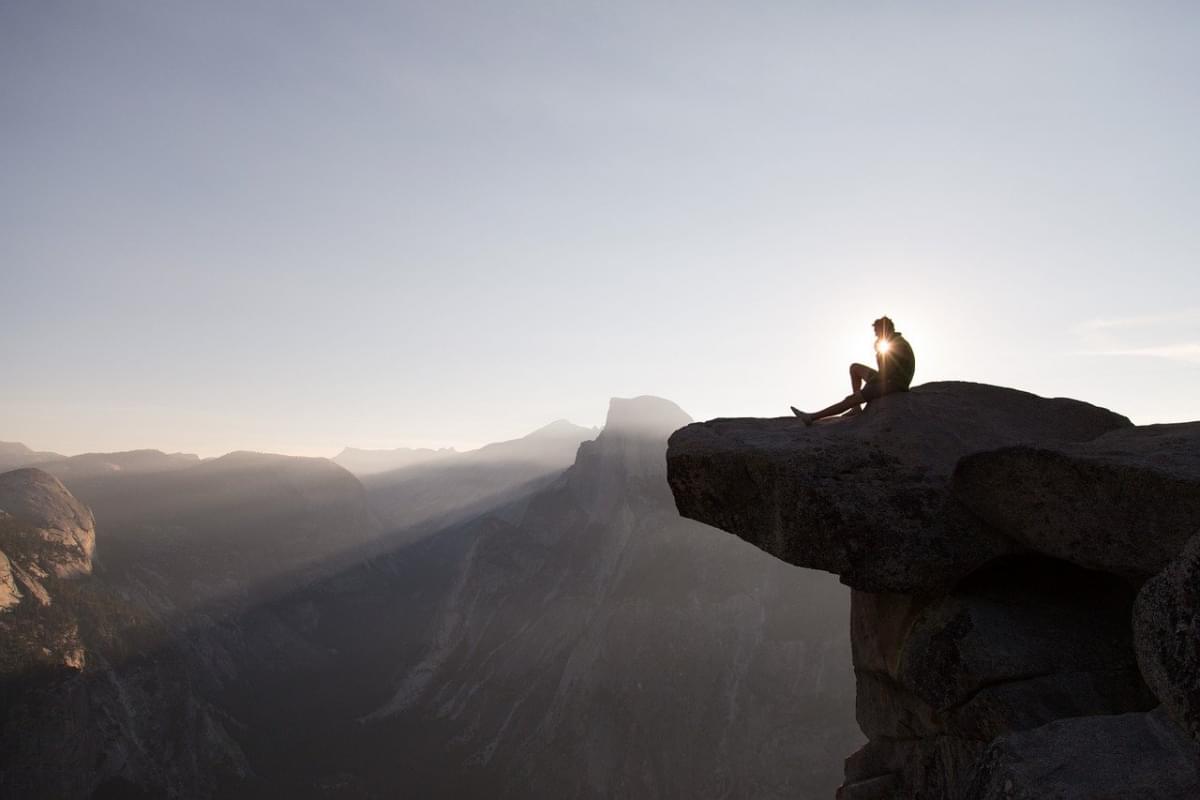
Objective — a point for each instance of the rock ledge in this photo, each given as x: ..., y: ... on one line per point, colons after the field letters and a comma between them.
x: 996, y: 543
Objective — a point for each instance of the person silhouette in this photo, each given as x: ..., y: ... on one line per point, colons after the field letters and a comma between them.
x: 896, y: 365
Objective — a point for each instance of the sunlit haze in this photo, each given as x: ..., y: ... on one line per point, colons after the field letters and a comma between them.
x: 296, y: 227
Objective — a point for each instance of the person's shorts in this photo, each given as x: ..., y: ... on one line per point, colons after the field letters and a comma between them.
x: 876, y: 388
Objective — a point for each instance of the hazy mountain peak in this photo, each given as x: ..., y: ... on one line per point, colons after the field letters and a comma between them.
x: 16, y: 454
x: 562, y: 428
x: 633, y: 444
x: 646, y: 415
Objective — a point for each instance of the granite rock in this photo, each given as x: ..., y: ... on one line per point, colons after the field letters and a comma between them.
x: 1125, y: 502
x: 59, y: 531
x: 1167, y: 633
x: 868, y: 497
x: 1132, y: 756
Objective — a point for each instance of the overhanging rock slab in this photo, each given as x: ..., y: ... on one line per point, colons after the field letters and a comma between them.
x: 868, y: 497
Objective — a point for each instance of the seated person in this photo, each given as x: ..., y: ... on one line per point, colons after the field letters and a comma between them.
x: 896, y: 362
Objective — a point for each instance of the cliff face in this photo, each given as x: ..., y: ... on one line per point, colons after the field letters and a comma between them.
x: 47, y: 537
x: 114, y: 671
x: 243, y: 634
x: 95, y: 699
x: 595, y: 644
x: 57, y: 533
x: 996, y: 543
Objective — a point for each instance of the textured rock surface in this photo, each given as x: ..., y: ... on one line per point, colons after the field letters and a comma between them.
x: 1124, y: 757
x: 10, y: 595
x: 995, y: 541
x: 1028, y: 623
x: 1022, y: 643
x: 64, y: 527
x: 1125, y: 502
x: 46, y: 539
x: 867, y: 497
x: 1167, y: 629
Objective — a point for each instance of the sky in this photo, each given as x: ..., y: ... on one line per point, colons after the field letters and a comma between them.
x: 298, y: 226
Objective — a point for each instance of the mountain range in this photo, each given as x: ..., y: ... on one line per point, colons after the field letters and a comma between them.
x: 530, y: 619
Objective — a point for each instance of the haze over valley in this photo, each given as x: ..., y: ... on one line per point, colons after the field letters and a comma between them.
x: 531, y: 618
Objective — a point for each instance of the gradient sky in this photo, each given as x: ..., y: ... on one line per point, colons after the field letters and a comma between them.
x: 297, y: 226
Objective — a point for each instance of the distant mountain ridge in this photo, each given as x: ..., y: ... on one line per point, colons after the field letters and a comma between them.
x: 15, y: 454
x: 449, y: 490
x: 535, y: 446
x: 369, y: 462
x: 557, y: 631
x: 88, y: 465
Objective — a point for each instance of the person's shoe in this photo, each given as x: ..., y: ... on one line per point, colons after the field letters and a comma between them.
x: 807, y: 419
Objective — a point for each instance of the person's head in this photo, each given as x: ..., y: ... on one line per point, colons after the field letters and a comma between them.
x: 884, y: 328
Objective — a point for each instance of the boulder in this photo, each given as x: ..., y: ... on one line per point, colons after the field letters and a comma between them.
x: 1121, y: 757
x: 1166, y: 624
x: 868, y: 497
x: 1125, y: 502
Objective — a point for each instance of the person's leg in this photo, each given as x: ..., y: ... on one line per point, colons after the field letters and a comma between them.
x: 859, y: 374
x: 852, y: 401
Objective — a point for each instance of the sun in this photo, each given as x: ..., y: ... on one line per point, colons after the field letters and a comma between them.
x: 882, y: 346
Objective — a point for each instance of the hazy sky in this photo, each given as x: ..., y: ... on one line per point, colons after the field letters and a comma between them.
x: 295, y: 226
